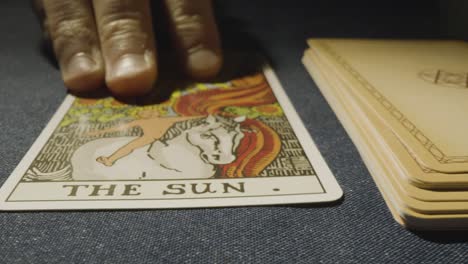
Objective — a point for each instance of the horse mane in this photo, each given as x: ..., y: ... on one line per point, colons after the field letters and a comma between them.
x: 257, y: 150
x: 178, y: 128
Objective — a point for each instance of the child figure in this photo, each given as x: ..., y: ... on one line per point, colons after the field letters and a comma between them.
x: 154, y: 127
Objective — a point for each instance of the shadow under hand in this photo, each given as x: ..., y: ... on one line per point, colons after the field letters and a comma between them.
x: 242, y: 56
x: 241, y: 52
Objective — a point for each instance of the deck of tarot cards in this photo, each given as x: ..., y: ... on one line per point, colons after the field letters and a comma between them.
x: 405, y: 106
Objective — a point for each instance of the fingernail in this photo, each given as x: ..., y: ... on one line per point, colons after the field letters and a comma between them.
x: 80, y: 63
x: 203, y: 63
x: 83, y: 73
x: 129, y: 64
x: 132, y: 74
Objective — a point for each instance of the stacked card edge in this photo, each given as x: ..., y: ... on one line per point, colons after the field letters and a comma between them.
x: 402, y: 215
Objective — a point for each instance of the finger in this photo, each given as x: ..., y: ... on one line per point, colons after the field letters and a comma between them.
x: 196, y: 36
x: 127, y: 41
x: 71, y: 27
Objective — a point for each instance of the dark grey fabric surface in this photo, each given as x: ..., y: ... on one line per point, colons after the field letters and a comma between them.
x: 359, y: 229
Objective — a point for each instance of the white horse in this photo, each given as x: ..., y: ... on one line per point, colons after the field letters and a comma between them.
x: 190, y: 149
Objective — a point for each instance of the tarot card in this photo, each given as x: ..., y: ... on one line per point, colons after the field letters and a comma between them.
x: 392, y: 149
x: 418, y: 88
x: 232, y: 143
x: 428, y: 215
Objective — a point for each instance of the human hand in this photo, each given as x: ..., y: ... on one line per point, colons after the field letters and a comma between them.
x: 112, y: 41
x: 105, y: 161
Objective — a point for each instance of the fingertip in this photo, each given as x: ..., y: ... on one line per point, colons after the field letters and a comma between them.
x: 83, y: 74
x: 196, y: 37
x: 132, y: 75
x: 204, y: 64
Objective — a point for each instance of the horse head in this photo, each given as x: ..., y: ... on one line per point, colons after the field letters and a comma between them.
x: 217, y: 138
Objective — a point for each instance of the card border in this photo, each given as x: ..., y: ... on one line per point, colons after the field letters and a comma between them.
x: 332, y: 190
x: 427, y: 144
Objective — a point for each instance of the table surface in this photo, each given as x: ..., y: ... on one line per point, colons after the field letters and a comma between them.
x: 359, y: 229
